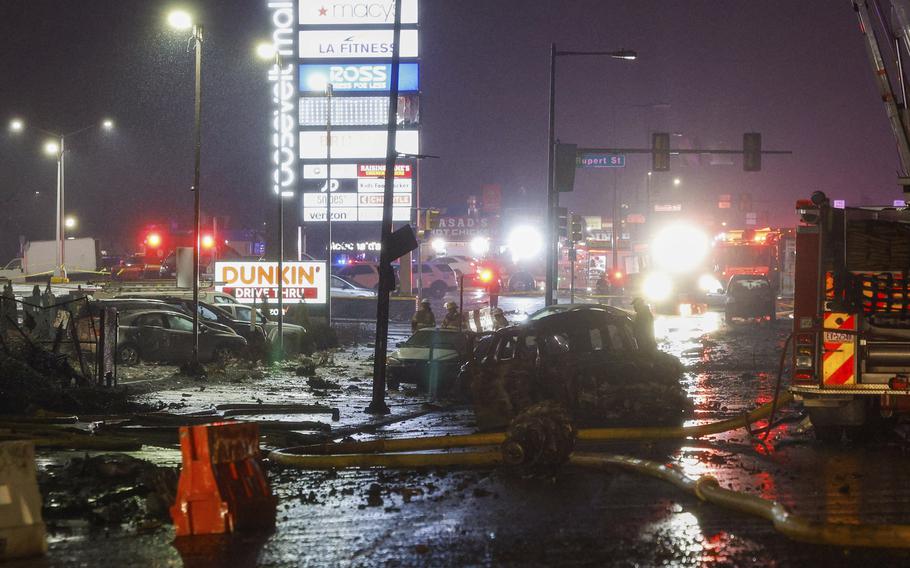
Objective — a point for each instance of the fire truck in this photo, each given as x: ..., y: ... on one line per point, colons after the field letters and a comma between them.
x: 851, y: 314
x: 757, y: 252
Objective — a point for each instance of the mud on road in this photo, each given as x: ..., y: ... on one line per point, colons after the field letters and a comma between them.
x: 436, y: 517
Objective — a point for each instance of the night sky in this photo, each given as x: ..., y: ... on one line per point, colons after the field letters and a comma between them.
x: 795, y: 71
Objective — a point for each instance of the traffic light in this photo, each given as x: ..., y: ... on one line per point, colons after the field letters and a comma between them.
x: 752, y: 151
x: 660, y: 151
x: 562, y: 221
x: 565, y: 166
x: 432, y: 219
x: 578, y: 229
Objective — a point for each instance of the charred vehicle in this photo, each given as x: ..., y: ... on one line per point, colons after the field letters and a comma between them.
x: 583, y: 357
x: 167, y: 336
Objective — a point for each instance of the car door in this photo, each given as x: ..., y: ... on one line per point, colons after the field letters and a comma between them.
x: 154, y: 341
x: 180, y: 333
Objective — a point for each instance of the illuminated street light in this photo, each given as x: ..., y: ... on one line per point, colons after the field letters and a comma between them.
x: 16, y: 125
x: 180, y: 20
x: 51, y: 148
x: 70, y: 223
x: 107, y: 124
x: 676, y: 182
x: 267, y: 51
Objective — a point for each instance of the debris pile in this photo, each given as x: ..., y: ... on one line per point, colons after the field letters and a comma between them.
x: 107, y: 490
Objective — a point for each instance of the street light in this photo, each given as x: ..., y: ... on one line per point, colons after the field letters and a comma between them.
x: 268, y: 52
x: 70, y: 223
x: 56, y: 147
x: 677, y: 182
x: 552, y: 194
x: 182, y: 20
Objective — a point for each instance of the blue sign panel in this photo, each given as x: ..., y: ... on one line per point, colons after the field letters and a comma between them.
x: 601, y: 161
x: 358, y: 77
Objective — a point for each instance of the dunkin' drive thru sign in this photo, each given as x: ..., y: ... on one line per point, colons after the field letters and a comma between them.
x: 255, y: 282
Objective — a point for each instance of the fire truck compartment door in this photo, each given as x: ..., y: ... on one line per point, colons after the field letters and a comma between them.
x: 839, y: 349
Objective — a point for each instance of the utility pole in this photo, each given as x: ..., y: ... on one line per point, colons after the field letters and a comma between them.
x: 328, y: 202
x: 386, y: 275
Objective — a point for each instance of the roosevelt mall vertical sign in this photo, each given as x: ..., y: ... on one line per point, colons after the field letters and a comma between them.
x: 348, y: 44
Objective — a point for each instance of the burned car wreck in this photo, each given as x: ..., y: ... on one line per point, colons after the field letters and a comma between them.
x: 586, y: 359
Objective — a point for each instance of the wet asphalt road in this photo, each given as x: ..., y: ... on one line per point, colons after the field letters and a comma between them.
x: 580, y: 518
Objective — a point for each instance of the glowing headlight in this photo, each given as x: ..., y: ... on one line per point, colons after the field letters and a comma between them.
x: 679, y: 248
x: 708, y: 283
x: 657, y: 287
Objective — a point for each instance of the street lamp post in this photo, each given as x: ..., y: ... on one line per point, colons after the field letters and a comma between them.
x: 328, y: 200
x: 181, y: 20
x: 56, y: 147
x: 268, y: 51
x: 552, y: 194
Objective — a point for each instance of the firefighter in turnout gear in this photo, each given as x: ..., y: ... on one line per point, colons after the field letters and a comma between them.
x: 452, y: 318
x: 423, y: 317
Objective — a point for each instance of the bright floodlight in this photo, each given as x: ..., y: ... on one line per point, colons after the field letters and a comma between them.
x: 657, y: 287
x: 525, y: 242
x: 680, y: 248
x: 677, y: 181
x: 480, y: 246
x: 107, y: 124
x: 69, y: 222
x: 180, y: 20
x: 16, y: 125
x: 439, y: 246
x: 51, y: 148
x: 266, y: 51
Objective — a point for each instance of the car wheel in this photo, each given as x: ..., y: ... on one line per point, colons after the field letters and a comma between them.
x: 223, y: 353
x: 128, y: 355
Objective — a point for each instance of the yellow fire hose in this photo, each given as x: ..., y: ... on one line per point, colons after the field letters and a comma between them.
x: 389, y: 453
x: 360, y: 454
x: 708, y: 489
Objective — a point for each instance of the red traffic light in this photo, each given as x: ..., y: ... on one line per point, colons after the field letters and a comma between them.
x: 208, y: 241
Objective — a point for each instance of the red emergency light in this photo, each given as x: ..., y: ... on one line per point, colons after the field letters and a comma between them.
x: 208, y: 241
x: 153, y: 240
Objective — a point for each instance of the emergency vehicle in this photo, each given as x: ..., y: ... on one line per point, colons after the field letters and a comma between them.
x: 754, y: 252
x: 851, y: 314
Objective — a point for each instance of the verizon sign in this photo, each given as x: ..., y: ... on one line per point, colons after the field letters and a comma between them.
x: 354, y: 44
x: 332, y: 12
x: 257, y: 282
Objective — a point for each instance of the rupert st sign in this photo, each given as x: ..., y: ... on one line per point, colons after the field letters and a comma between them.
x: 255, y: 282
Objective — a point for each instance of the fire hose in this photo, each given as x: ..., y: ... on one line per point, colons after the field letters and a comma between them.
x: 392, y: 453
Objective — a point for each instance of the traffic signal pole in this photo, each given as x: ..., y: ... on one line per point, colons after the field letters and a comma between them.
x: 552, y: 196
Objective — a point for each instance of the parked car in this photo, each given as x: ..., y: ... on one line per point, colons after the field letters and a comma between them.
x: 365, y: 274
x: 522, y: 282
x: 462, y: 265
x: 438, y: 278
x: 127, y: 305
x: 212, y: 315
x: 342, y: 288
x: 749, y: 296
x: 167, y: 336
x: 294, y: 335
x: 429, y: 355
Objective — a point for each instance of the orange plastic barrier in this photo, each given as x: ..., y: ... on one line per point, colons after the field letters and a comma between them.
x: 222, y: 489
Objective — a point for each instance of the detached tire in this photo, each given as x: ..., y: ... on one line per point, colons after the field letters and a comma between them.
x: 128, y: 355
